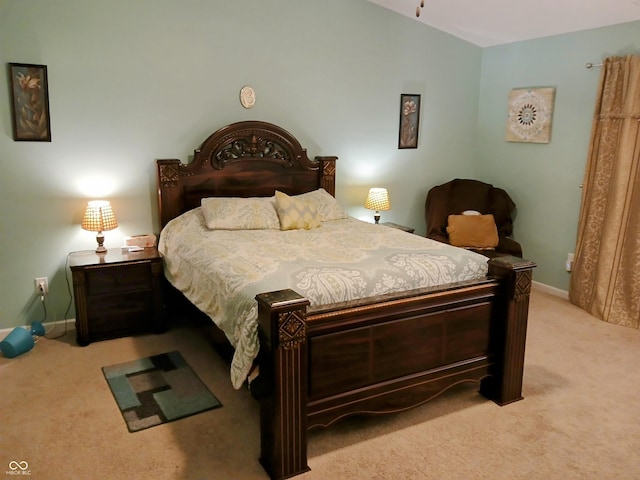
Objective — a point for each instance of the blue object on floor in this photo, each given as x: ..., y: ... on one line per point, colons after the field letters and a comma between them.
x: 37, y: 329
x: 17, y: 342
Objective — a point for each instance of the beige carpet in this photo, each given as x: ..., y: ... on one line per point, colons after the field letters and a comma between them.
x: 580, y: 418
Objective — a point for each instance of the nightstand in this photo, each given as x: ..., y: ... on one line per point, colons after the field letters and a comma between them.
x: 398, y: 226
x: 117, y: 294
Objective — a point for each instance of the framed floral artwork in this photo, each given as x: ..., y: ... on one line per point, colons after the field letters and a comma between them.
x: 409, y: 120
x: 30, y: 102
x: 529, y: 115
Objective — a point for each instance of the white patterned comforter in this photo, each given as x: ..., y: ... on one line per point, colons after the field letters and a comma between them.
x: 221, y: 271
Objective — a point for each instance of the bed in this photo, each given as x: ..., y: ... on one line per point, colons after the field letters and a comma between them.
x: 380, y: 352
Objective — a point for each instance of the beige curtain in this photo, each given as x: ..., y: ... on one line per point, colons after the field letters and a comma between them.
x: 606, y: 276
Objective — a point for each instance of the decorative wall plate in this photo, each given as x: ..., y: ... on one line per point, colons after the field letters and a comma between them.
x: 529, y: 116
x: 247, y: 97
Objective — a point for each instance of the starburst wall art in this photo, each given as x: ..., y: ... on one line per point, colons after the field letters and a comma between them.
x: 529, y: 116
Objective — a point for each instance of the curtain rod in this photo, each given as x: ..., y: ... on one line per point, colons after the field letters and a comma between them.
x: 592, y: 65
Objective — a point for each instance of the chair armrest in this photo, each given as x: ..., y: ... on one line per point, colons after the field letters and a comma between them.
x: 510, y: 246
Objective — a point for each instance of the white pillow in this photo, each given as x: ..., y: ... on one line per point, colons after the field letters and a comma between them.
x: 231, y: 213
x: 328, y: 207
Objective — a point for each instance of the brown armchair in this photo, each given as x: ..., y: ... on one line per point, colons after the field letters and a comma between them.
x: 456, y: 196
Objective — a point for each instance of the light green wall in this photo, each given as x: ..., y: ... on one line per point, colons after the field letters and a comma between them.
x: 544, y: 179
x: 135, y: 80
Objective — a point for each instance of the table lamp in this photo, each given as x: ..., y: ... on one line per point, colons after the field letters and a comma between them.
x: 378, y: 199
x: 99, y: 217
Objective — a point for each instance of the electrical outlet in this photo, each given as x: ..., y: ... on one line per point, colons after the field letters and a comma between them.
x: 42, y: 285
x: 569, y: 263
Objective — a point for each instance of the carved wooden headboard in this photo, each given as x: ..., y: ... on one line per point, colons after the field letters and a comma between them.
x: 244, y: 159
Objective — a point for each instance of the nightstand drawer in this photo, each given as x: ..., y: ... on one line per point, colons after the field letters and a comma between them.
x: 112, y: 280
x: 112, y: 314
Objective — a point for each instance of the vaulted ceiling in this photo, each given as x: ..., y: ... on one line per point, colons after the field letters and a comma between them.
x: 488, y: 23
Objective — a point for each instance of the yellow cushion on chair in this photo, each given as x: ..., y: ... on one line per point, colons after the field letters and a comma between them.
x: 473, y: 231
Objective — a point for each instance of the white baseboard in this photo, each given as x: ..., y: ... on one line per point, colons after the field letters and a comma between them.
x: 71, y: 322
x: 551, y: 290
x: 48, y: 326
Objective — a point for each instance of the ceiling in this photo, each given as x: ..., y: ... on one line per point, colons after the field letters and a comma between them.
x: 488, y: 23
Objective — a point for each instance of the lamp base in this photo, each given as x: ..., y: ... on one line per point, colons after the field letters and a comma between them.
x: 376, y: 217
x: 100, y: 240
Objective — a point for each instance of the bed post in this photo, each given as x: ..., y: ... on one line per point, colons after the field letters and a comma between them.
x: 327, y: 174
x: 510, y: 329
x: 283, y: 411
x: 168, y: 180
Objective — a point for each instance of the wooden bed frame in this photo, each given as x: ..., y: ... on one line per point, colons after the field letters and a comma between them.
x: 372, y: 356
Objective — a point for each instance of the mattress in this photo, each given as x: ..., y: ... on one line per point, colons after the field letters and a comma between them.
x: 221, y: 271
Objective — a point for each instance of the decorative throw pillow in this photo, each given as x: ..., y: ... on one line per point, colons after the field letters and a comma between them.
x: 295, y: 213
x: 231, y: 213
x: 473, y: 231
x: 328, y: 206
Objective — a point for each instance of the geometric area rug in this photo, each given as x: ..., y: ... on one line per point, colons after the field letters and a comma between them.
x: 157, y: 389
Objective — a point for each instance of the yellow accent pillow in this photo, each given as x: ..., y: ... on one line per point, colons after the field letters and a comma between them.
x: 295, y: 213
x: 473, y: 231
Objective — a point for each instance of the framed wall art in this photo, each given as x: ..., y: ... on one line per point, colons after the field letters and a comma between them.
x: 529, y: 115
x: 30, y: 102
x: 409, y: 120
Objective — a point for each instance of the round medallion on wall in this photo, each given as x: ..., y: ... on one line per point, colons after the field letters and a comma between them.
x: 529, y: 117
x: 247, y: 97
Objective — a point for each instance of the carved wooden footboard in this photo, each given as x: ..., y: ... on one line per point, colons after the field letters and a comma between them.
x: 386, y: 355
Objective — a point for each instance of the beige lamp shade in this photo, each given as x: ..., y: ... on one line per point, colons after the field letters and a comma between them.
x: 377, y: 199
x: 99, y: 217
